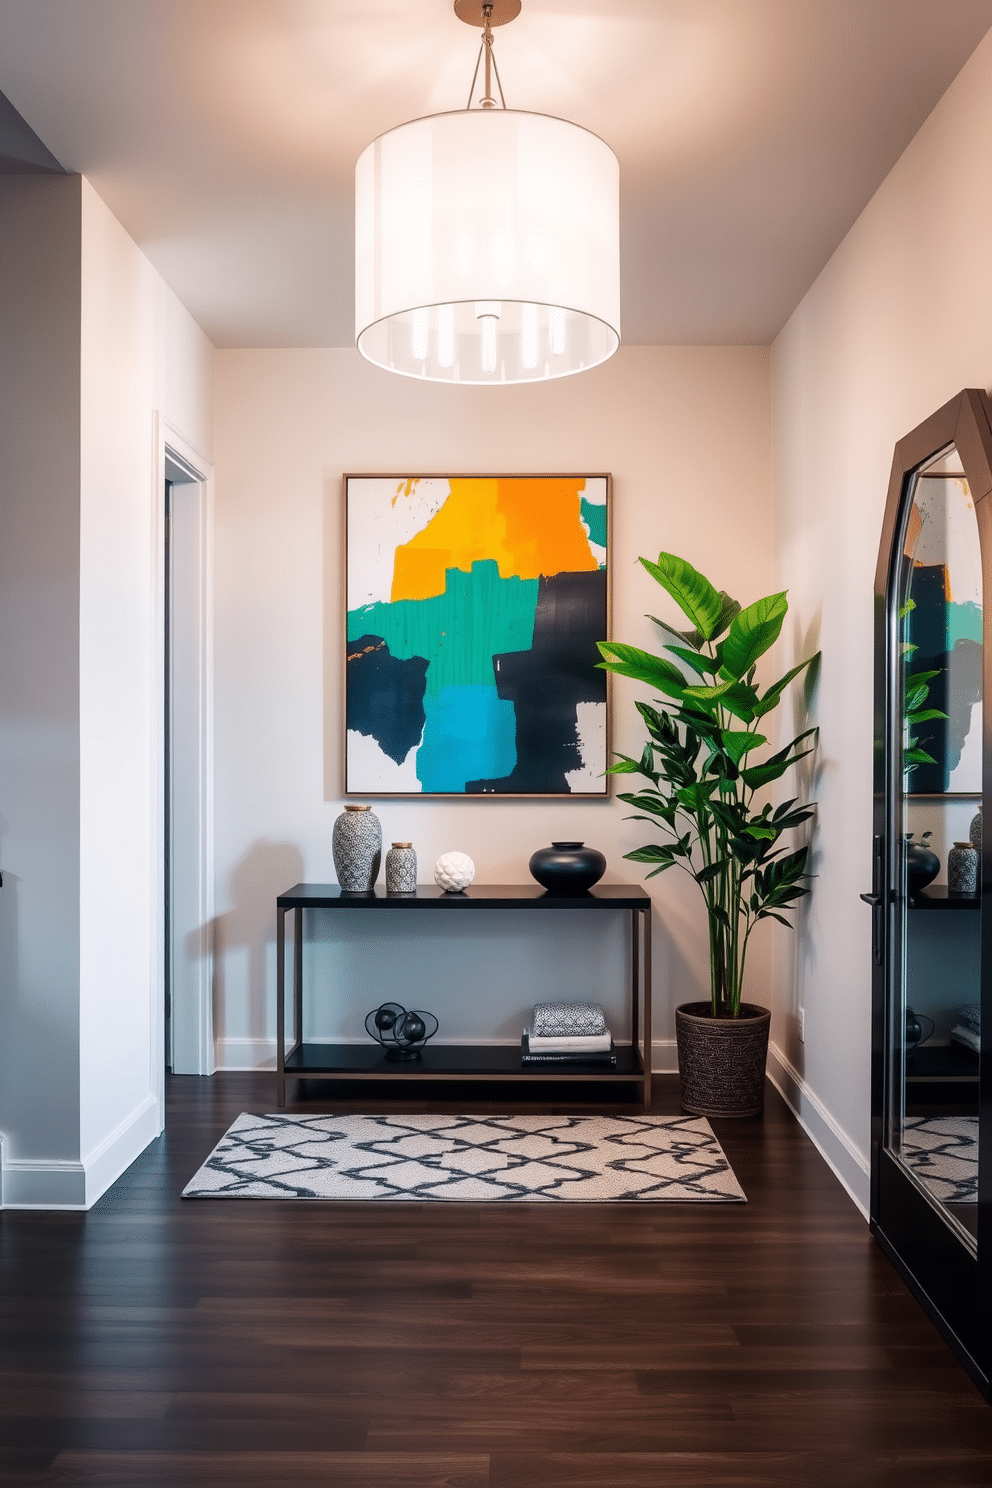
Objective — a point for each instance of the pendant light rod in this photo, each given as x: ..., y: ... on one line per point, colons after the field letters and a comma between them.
x: 486, y: 46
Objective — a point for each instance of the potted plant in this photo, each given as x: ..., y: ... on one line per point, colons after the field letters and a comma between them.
x: 705, y: 767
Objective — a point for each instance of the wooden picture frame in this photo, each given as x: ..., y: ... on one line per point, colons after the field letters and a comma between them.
x: 473, y: 604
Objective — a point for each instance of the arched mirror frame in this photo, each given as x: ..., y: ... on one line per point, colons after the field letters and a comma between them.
x: 952, y: 1279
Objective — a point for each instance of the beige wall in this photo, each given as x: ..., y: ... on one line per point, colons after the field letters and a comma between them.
x: 898, y: 322
x: 686, y: 434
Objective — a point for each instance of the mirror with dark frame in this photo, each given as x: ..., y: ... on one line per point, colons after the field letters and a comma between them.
x: 932, y: 867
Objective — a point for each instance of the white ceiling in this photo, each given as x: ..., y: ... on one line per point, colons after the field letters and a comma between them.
x: 224, y: 134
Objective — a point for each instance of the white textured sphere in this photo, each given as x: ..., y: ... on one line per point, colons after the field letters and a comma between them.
x: 453, y: 872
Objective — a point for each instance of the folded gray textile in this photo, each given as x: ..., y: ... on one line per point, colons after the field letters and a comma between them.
x: 971, y: 1016
x: 589, y: 1043
x: 568, y: 1019
x: 967, y: 1036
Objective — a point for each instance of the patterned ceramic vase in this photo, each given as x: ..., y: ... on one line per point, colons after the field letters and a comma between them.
x: 962, y: 869
x: 401, y: 869
x: 357, y: 848
x: 975, y: 831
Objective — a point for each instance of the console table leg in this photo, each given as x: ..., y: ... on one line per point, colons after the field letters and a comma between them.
x: 297, y: 977
x: 646, y: 959
x: 280, y: 1007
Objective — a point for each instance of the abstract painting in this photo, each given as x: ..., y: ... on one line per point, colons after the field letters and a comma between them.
x: 474, y: 604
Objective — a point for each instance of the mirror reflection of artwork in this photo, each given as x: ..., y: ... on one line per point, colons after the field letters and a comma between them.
x: 944, y: 626
x: 474, y: 604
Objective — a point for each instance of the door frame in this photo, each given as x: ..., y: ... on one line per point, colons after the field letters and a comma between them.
x: 177, y: 460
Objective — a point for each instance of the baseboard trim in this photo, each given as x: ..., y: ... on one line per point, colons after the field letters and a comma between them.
x: 105, y: 1163
x: 848, y: 1164
x: 245, y: 1053
x: 52, y: 1183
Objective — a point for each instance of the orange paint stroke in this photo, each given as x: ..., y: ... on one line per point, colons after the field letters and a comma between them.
x: 531, y: 527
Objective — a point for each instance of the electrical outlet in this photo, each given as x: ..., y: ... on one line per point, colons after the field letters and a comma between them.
x: 801, y: 1018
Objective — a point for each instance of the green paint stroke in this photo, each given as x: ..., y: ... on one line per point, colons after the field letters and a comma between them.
x: 478, y: 616
x: 594, y: 520
x: 964, y: 623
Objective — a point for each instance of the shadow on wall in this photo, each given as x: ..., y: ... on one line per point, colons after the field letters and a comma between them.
x: 800, y: 954
x: 266, y: 870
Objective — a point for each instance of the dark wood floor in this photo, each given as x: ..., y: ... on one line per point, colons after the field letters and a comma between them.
x: 254, y: 1342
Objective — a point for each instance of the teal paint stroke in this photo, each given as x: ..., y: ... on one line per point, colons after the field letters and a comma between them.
x: 478, y: 616
x: 964, y: 623
x: 594, y: 521
x: 469, y: 734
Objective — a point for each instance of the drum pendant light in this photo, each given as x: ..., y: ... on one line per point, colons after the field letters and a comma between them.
x: 487, y: 240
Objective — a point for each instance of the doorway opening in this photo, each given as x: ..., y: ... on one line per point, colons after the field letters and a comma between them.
x: 186, y: 1042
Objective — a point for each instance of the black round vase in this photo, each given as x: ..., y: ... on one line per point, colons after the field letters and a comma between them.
x: 922, y: 867
x: 567, y: 867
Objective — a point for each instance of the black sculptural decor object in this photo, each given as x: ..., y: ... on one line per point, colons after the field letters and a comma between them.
x: 402, y: 1034
x: 567, y: 867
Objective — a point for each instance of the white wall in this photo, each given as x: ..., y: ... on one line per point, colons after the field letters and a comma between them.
x: 686, y: 434
x: 141, y: 353
x: 91, y: 345
x: 898, y: 322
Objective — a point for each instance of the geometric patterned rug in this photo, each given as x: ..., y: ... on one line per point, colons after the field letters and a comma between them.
x: 470, y: 1159
x: 943, y: 1153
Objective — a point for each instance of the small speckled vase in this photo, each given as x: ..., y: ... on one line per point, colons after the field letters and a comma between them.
x: 357, y: 848
x: 401, y: 869
x: 962, y: 869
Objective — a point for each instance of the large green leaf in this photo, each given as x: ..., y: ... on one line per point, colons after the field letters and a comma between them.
x: 751, y: 634
x: 729, y: 610
x: 694, y: 594
x: 624, y: 766
x: 697, y: 660
x: 697, y: 797
x: 630, y: 661
x: 770, y: 699
x: 775, y: 767
x: 737, y: 743
x: 691, y: 637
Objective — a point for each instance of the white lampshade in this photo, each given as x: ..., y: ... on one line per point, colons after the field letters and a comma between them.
x: 487, y: 248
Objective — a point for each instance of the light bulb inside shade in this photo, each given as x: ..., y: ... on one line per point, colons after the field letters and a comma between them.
x: 528, y: 336
x: 445, y: 335
x: 556, y: 330
x: 418, y: 335
x: 489, y: 324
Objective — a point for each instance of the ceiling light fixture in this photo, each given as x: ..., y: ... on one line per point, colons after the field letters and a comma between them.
x: 487, y: 240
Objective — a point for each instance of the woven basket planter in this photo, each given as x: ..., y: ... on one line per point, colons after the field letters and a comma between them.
x: 722, y: 1060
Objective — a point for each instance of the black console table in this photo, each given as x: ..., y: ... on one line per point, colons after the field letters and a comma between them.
x: 487, y: 1062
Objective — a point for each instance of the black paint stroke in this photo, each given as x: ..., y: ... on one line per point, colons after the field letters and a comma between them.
x: 385, y: 696
x: 943, y: 739
x: 547, y: 682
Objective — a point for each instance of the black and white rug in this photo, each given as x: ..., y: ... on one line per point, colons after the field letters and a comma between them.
x: 564, y: 1159
x: 943, y: 1152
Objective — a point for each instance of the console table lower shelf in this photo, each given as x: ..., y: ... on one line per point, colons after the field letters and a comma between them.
x: 453, y: 1062
x: 467, y: 1062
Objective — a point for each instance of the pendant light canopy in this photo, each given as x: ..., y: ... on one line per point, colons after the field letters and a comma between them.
x: 487, y: 242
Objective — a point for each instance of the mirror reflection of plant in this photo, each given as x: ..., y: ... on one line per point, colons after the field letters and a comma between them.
x: 701, y: 779
x: 916, y: 692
